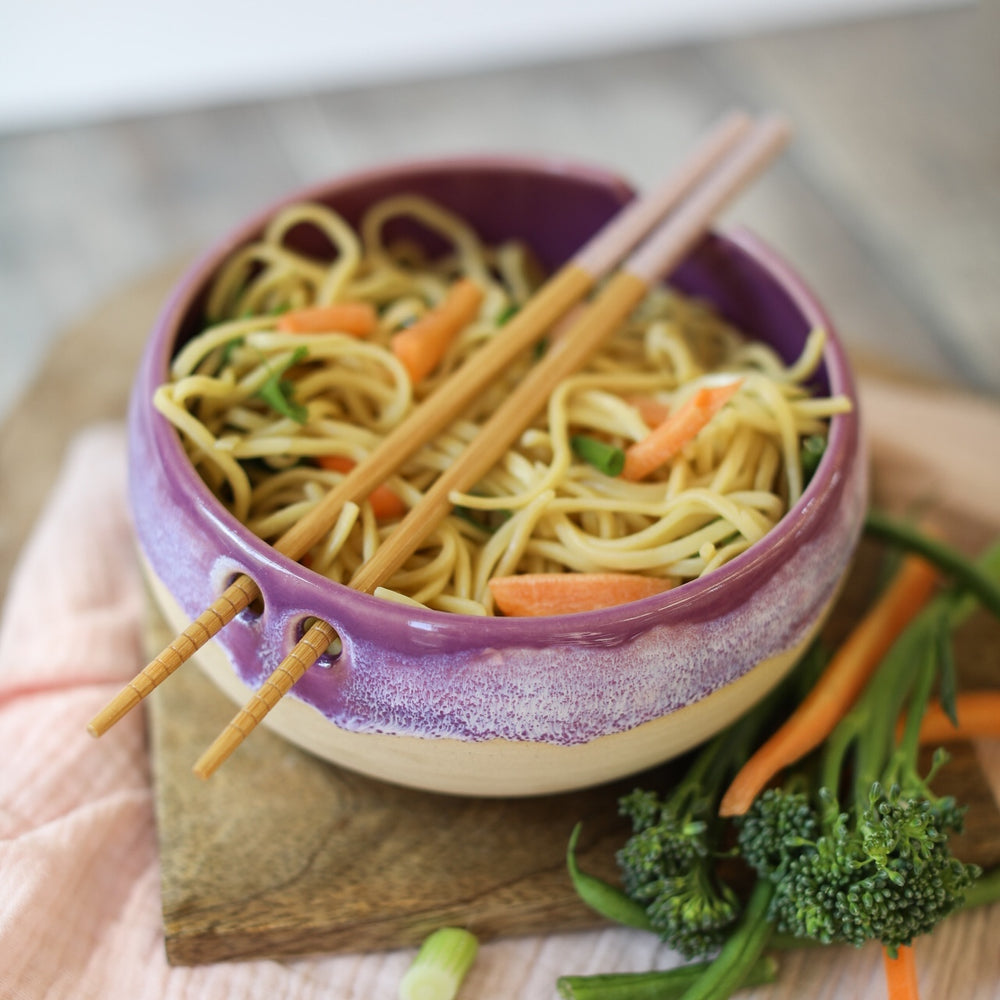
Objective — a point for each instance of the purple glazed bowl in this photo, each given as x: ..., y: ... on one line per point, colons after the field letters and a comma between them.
x: 508, y: 706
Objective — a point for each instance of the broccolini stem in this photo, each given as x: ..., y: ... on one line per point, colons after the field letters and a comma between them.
x: 870, y: 724
x: 710, y: 767
x: 966, y: 572
x: 728, y: 971
x: 985, y: 890
x: 911, y: 663
x: 923, y: 685
x: 727, y: 751
x: 669, y: 984
x: 602, y: 897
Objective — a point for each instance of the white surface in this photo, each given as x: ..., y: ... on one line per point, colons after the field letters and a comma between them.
x: 64, y: 60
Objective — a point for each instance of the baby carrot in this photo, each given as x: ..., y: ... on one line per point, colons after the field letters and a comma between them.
x: 387, y: 505
x: 421, y: 347
x: 978, y: 714
x: 356, y: 318
x: 681, y: 426
x: 536, y: 594
x: 900, y: 974
x: 838, y: 686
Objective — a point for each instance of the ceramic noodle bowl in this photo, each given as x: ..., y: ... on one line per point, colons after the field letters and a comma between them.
x: 508, y: 706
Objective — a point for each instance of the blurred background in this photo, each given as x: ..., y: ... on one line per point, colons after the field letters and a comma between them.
x: 132, y: 135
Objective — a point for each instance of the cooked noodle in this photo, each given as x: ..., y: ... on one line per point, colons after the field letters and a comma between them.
x: 540, y: 509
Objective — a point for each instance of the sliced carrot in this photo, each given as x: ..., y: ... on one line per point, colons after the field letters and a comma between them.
x: 355, y: 318
x: 681, y: 426
x: 901, y: 974
x: 652, y: 411
x: 533, y: 595
x: 978, y: 715
x: 421, y: 346
x: 387, y: 505
x: 838, y: 686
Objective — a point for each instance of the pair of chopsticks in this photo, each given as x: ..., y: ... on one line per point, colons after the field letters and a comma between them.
x: 648, y: 238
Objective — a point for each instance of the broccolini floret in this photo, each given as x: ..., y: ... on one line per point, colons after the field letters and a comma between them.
x: 875, y: 863
x: 779, y: 822
x: 670, y: 863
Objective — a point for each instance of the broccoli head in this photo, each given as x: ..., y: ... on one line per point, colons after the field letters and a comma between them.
x: 878, y: 867
x: 668, y: 865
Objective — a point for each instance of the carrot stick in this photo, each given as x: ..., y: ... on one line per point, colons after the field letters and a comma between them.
x: 901, y: 974
x: 652, y: 411
x: 680, y: 427
x: 537, y: 594
x: 838, y: 686
x: 387, y: 505
x: 355, y: 318
x: 422, y: 346
x: 978, y: 715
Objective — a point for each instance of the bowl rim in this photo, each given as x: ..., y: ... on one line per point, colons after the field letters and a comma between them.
x: 694, y: 600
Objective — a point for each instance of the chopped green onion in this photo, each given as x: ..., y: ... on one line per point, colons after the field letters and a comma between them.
x: 489, y: 521
x: 278, y: 392
x: 440, y: 966
x: 506, y: 314
x: 810, y: 453
x: 229, y: 347
x: 604, y: 457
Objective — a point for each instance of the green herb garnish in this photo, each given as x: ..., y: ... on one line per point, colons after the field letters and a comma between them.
x: 229, y: 347
x: 506, y: 314
x: 279, y: 392
x: 810, y: 453
x: 489, y: 521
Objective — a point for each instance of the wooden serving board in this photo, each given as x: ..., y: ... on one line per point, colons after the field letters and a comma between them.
x: 282, y: 854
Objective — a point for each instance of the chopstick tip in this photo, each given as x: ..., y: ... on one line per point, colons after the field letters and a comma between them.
x: 115, y: 710
x: 219, y: 752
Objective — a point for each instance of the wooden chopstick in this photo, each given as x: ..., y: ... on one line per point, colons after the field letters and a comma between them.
x: 557, y: 296
x: 644, y: 268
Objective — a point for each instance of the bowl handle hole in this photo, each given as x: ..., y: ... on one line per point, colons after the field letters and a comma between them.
x: 333, y: 651
x: 254, y: 603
